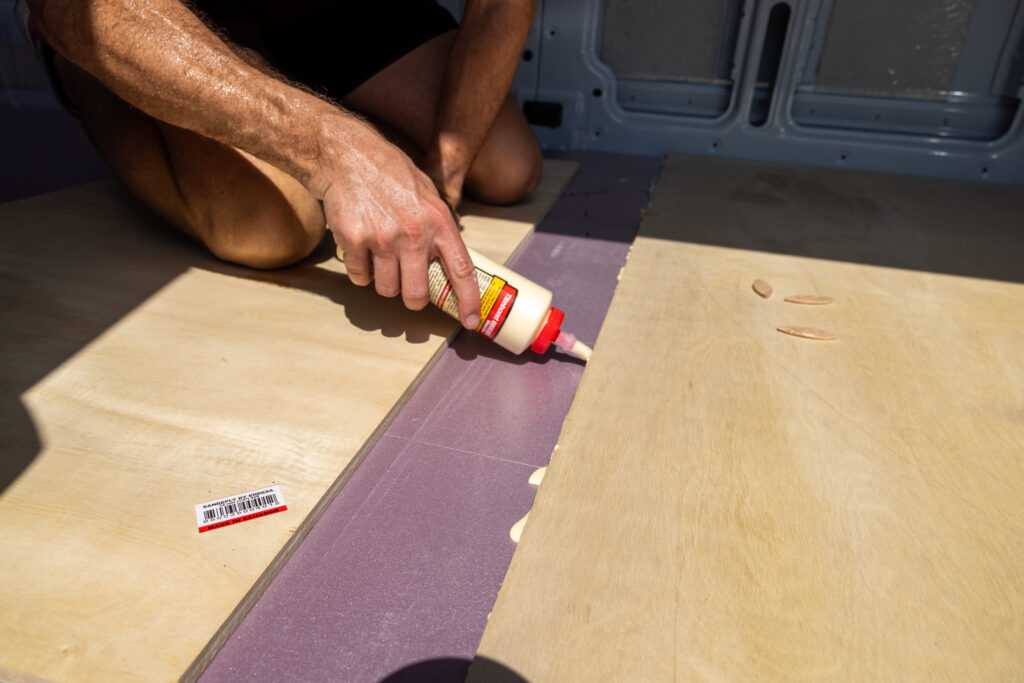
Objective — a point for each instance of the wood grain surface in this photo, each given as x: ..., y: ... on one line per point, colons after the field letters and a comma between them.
x: 140, y: 377
x: 731, y: 503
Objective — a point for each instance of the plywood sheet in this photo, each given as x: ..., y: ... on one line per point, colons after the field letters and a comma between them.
x: 402, y: 568
x: 141, y: 377
x: 728, y: 502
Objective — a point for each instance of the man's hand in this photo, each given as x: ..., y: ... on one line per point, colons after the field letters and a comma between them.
x: 387, y: 216
x: 162, y: 59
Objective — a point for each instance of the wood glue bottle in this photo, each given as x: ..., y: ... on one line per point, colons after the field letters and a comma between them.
x: 515, y: 313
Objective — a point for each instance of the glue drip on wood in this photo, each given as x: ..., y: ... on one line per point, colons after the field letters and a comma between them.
x: 516, y: 532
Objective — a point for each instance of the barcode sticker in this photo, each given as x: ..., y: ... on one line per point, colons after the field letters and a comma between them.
x: 215, y: 514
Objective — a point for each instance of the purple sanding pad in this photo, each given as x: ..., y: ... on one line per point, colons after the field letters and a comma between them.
x: 396, y: 579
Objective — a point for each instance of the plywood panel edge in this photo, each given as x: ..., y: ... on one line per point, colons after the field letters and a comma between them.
x: 806, y: 479
x: 565, y: 173
x: 233, y: 621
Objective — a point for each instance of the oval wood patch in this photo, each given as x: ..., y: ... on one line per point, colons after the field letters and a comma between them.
x: 809, y: 299
x: 763, y: 289
x: 808, y: 332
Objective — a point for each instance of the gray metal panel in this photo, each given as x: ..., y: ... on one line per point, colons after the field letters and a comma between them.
x: 907, y: 48
x: 662, y: 40
x: 962, y: 136
x: 985, y: 65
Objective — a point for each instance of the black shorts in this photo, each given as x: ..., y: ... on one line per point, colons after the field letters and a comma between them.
x: 331, y: 46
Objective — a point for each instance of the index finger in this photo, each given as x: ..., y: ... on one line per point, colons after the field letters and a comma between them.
x: 461, y: 272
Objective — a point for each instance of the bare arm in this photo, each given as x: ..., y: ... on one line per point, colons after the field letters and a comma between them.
x: 479, y: 73
x: 158, y: 56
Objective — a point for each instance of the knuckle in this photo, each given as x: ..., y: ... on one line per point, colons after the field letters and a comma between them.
x: 352, y: 240
x: 359, y: 277
x: 413, y: 233
x: 385, y: 241
x: 357, y: 244
x: 415, y: 288
x: 415, y: 301
x: 462, y: 268
x: 439, y: 214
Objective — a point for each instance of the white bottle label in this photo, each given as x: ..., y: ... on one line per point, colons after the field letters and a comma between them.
x: 496, y: 298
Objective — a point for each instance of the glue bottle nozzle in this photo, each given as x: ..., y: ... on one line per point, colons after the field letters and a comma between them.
x: 567, y: 343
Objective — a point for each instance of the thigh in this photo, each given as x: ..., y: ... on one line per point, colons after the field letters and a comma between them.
x: 243, y: 209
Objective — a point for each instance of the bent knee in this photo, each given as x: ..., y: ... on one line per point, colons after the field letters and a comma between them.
x: 265, y: 240
x: 506, y: 174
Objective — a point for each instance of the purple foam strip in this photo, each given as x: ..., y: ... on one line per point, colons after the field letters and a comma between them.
x: 398, y: 576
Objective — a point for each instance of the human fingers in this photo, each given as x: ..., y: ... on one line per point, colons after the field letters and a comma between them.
x: 462, y: 274
x: 415, y: 285
x: 357, y: 265
x: 386, y: 275
x: 353, y: 248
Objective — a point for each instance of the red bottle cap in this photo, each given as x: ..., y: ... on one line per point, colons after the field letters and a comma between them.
x: 549, y: 332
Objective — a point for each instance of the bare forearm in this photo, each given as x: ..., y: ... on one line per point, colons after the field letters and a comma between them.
x: 161, y: 58
x: 385, y: 212
x: 479, y: 73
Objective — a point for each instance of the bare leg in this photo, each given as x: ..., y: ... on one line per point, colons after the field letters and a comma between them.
x: 244, y: 210
x: 404, y: 97
x: 249, y: 212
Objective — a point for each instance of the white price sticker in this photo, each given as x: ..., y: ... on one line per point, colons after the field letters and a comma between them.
x: 223, y: 512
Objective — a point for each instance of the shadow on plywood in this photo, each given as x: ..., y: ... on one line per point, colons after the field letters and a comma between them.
x: 79, y: 261
x: 452, y: 670
x: 963, y: 228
